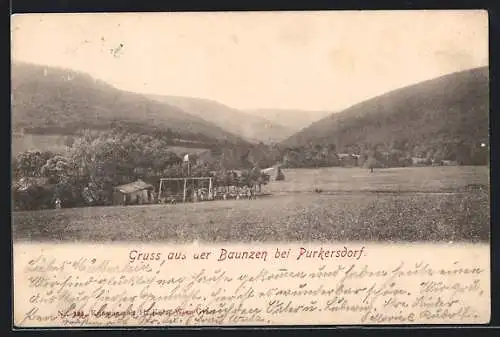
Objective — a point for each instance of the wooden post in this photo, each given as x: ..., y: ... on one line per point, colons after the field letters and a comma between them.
x: 159, y: 191
x: 184, y: 196
x: 210, y: 188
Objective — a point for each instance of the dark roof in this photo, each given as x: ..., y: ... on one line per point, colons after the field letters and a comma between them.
x: 133, y: 187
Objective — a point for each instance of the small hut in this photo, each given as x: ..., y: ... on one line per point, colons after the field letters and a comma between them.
x: 348, y: 159
x: 275, y: 173
x: 279, y: 175
x: 135, y: 193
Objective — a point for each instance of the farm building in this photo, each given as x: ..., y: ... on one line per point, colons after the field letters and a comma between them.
x: 275, y: 173
x: 419, y: 161
x: 135, y: 193
x: 348, y: 159
x: 449, y: 163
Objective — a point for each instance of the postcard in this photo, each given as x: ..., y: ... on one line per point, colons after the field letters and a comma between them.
x: 250, y: 169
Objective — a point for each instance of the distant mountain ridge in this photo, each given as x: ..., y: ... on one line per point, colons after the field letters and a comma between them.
x: 54, y: 100
x: 251, y: 127
x: 293, y: 119
x: 450, y: 109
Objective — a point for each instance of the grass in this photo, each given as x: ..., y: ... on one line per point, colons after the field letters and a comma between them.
x: 181, y: 150
x: 32, y: 142
x: 407, y: 179
x: 399, y: 205
x: 58, y: 143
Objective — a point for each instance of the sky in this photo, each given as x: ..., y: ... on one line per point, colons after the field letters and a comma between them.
x: 249, y: 60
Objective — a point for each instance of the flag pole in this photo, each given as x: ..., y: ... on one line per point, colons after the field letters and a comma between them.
x: 186, y: 158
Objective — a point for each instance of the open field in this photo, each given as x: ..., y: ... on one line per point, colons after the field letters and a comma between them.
x: 40, y: 142
x: 399, y: 205
x: 404, y: 179
x: 59, y: 143
x: 181, y: 150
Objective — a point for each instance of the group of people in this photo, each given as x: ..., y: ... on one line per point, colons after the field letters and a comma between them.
x: 235, y: 193
x: 203, y: 194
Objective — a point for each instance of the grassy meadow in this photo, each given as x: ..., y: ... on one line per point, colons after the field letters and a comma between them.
x: 40, y: 142
x: 60, y: 143
x: 398, y: 205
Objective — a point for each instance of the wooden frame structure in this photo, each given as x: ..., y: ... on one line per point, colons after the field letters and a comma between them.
x: 185, y: 183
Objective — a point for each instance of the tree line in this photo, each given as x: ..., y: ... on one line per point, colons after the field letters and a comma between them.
x: 97, y: 162
x: 392, y: 154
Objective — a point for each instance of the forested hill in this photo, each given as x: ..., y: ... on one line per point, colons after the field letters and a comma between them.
x: 252, y: 128
x: 438, y: 115
x: 50, y: 100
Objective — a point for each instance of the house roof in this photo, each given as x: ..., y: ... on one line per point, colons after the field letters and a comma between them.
x: 272, y: 168
x: 133, y: 187
x: 345, y: 155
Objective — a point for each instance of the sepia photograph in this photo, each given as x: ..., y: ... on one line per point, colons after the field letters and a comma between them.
x: 250, y: 129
